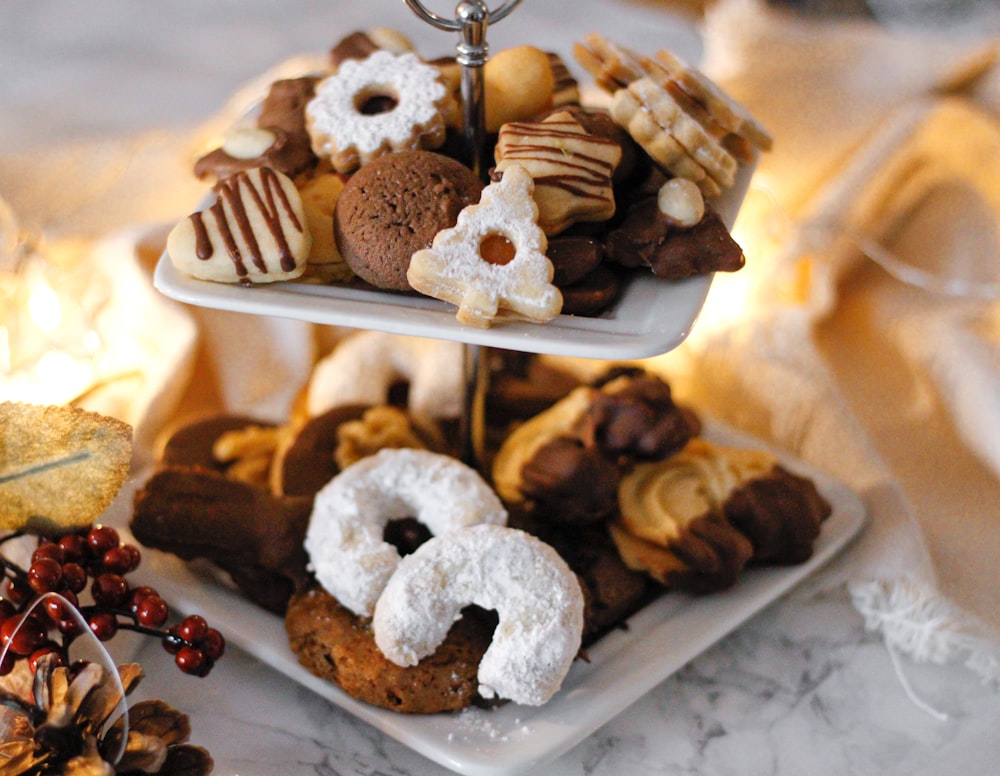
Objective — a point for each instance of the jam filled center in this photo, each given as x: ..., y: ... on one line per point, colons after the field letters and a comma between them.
x: 497, y: 249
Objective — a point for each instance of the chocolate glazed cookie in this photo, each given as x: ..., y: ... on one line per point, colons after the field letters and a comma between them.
x: 393, y: 207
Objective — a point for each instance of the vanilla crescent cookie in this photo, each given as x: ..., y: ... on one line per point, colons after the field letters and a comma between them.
x: 364, y: 366
x: 373, y: 106
x: 493, y: 259
x: 536, y: 595
x: 255, y: 232
x: 344, y: 541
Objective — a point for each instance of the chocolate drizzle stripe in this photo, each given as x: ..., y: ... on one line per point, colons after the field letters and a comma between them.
x: 270, y: 200
x: 595, y: 169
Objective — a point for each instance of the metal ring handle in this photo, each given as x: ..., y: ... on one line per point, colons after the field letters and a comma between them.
x: 455, y: 25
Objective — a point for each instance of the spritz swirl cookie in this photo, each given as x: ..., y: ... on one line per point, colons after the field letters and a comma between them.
x: 377, y: 105
x: 493, y: 259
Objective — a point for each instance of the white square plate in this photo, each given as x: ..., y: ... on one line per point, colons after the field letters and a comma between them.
x: 623, y: 665
x: 650, y: 317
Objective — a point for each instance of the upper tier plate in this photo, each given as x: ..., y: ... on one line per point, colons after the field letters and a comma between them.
x: 651, y: 317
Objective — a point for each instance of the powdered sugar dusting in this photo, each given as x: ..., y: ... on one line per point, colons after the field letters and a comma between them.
x: 453, y: 269
x: 336, y: 123
x: 535, y: 594
x: 344, y: 540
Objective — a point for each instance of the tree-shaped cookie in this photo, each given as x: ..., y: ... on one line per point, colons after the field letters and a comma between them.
x: 493, y: 259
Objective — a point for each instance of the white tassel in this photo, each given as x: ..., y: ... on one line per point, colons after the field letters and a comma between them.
x: 916, y: 620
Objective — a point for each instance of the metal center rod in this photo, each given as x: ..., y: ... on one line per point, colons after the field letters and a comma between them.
x: 472, y: 18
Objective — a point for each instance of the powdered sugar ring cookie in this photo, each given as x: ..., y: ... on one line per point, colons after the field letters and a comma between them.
x: 535, y: 594
x: 493, y: 258
x: 344, y: 540
x: 362, y: 369
x: 346, y: 119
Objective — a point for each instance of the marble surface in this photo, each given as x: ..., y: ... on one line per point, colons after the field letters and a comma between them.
x: 799, y: 689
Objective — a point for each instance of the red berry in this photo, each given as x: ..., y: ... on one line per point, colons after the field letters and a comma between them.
x: 137, y: 594
x: 58, y: 607
x: 213, y: 645
x: 22, y: 635
x: 193, y: 628
x: 110, y: 591
x: 8, y: 663
x: 70, y: 627
x: 74, y: 548
x: 172, y: 641
x: 48, y: 648
x: 152, y: 611
x: 100, y: 539
x: 18, y: 591
x: 74, y: 577
x: 192, y: 660
x: 50, y: 550
x: 104, y: 625
x: 45, y: 574
x: 121, y: 559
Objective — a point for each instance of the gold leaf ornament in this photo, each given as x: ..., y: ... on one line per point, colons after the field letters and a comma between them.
x: 60, y: 467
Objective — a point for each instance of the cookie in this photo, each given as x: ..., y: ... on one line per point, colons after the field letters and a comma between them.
x: 374, y: 106
x: 649, y: 238
x: 339, y: 646
x: 347, y: 551
x: 518, y: 83
x: 244, y: 530
x: 363, y: 43
x: 255, y: 232
x: 696, y: 519
x: 366, y: 366
x: 393, y: 207
x: 324, y: 264
x: 334, y: 439
x: 493, y: 260
x: 249, y: 147
x: 537, y: 597
x: 571, y: 168
x: 592, y: 294
x: 284, y: 105
x: 590, y: 436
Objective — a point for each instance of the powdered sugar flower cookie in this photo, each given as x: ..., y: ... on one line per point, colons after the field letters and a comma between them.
x: 369, y: 107
x: 493, y: 259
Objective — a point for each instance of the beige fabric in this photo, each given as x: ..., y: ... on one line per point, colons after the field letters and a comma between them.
x: 892, y: 388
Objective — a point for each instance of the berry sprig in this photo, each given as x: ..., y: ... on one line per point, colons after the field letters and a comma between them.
x: 64, y: 566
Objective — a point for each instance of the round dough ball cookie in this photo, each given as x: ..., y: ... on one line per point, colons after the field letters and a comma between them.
x: 393, y: 207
